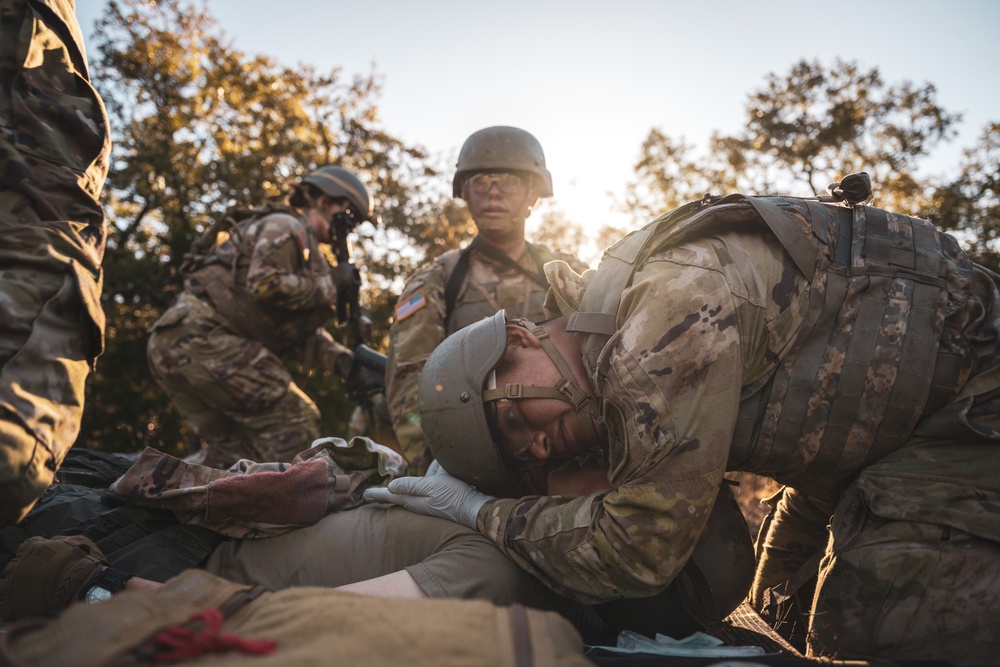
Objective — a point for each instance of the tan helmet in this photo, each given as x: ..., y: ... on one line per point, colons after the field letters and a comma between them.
x: 502, y: 149
x: 339, y: 182
x: 452, y: 414
x: 453, y: 401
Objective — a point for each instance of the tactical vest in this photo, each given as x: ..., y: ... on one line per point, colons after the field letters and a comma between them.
x: 879, y: 343
x: 220, y: 276
x: 466, y: 303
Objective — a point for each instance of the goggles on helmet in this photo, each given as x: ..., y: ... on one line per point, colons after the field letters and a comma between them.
x: 507, y: 183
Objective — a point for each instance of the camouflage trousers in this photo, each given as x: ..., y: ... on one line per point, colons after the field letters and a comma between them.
x: 236, y: 394
x: 54, y: 149
x: 910, y: 554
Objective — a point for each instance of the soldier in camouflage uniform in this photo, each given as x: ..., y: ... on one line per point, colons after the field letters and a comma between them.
x: 847, y: 352
x: 501, y: 174
x: 54, y: 149
x: 259, y: 296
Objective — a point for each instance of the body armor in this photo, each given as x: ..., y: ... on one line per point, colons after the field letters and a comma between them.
x: 220, y: 276
x: 884, y: 290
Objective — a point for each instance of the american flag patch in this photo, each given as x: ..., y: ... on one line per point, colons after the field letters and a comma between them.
x: 410, y: 306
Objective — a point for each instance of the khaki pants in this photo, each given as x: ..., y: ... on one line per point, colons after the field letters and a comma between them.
x: 446, y: 560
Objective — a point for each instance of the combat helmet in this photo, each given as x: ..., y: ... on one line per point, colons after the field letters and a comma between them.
x: 453, y: 402
x: 502, y: 148
x: 338, y: 182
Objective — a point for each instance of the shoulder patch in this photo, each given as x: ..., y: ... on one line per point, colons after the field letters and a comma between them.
x: 406, y: 308
x: 303, y: 240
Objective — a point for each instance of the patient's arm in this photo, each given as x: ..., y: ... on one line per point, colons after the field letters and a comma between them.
x: 395, y: 585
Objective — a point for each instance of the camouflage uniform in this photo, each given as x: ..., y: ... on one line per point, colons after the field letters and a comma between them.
x: 727, y: 356
x: 217, y: 351
x: 54, y: 149
x: 421, y: 324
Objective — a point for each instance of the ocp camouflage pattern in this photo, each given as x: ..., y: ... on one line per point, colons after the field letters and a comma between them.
x: 54, y: 147
x: 257, y: 500
x: 218, y: 350
x: 720, y: 327
x: 489, y: 286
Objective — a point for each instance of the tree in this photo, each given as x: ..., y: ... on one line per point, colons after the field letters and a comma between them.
x: 199, y: 126
x: 667, y: 176
x: 970, y: 204
x: 554, y: 230
x: 805, y: 130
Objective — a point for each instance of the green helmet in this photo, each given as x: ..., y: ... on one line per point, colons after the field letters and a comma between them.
x: 453, y: 400
x: 502, y: 149
x: 338, y: 182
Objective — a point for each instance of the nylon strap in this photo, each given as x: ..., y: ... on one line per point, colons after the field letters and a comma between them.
x: 457, y: 277
x: 566, y: 390
x: 793, y: 237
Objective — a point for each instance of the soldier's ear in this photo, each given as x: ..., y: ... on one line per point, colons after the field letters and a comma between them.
x: 519, y: 337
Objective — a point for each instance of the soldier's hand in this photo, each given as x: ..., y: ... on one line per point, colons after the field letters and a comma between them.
x: 439, y: 495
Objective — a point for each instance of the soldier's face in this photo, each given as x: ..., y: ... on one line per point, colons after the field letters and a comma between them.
x: 534, y: 429
x: 499, y: 203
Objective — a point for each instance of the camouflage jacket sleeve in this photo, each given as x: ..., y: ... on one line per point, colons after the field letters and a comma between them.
x: 287, y: 268
x: 330, y: 476
x: 690, y: 328
x: 417, y: 329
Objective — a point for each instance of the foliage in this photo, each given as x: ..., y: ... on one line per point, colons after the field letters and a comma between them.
x: 970, y: 204
x: 199, y: 126
x: 551, y: 228
x: 815, y: 125
x: 803, y: 131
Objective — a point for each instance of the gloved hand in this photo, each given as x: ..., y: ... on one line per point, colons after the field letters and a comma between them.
x: 439, y: 495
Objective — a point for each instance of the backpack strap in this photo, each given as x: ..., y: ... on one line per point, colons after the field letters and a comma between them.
x: 596, y: 320
x: 455, y: 272
x: 458, y: 270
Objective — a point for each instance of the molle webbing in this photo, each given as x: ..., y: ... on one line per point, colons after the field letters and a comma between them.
x: 223, y: 283
x: 857, y: 382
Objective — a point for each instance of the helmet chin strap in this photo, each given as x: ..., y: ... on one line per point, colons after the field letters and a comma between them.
x: 567, y: 389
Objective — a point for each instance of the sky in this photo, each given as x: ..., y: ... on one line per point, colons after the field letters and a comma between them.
x: 590, y: 78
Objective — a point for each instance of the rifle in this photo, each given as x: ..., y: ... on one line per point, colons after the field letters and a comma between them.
x: 367, y: 375
x: 349, y: 283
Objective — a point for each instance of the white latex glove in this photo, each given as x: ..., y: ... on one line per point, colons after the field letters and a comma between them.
x: 434, y: 469
x: 439, y: 495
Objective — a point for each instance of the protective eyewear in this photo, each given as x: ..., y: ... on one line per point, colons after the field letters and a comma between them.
x: 507, y: 184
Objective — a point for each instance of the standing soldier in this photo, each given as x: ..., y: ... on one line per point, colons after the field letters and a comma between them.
x: 54, y: 149
x: 501, y: 175
x: 260, y: 295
